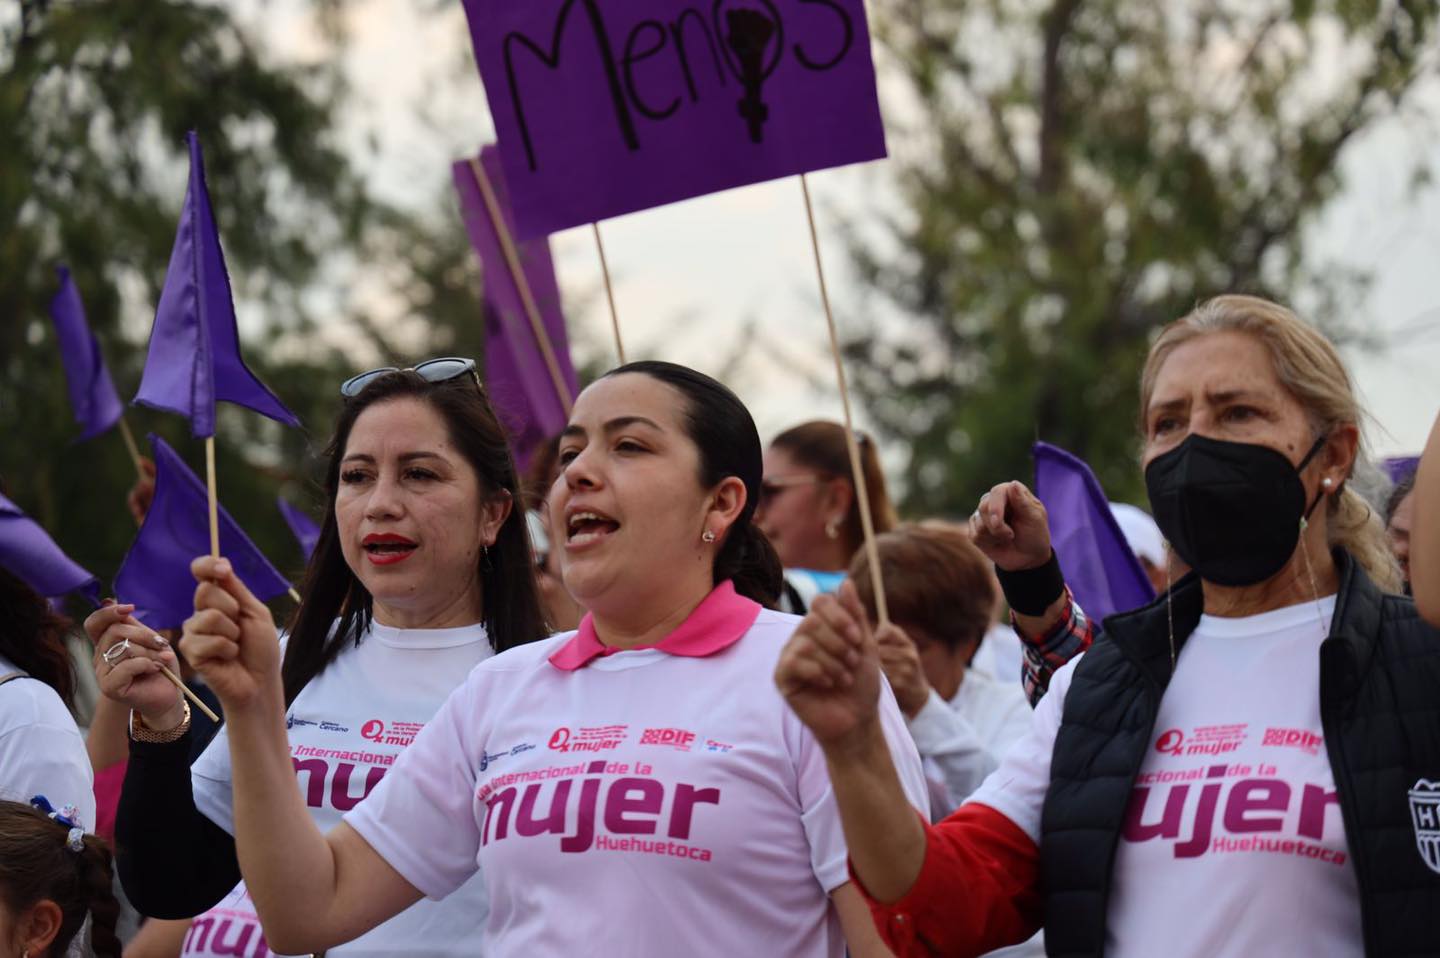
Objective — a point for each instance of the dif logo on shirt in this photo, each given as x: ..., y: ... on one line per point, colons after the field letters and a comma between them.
x: 677, y: 738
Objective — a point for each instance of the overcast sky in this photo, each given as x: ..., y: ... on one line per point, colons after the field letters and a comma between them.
x: 691, y: 276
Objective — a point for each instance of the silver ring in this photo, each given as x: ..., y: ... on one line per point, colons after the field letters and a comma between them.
x: 116, y: 652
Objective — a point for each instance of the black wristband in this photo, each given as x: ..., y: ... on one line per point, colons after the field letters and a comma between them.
x: 1032, y: 591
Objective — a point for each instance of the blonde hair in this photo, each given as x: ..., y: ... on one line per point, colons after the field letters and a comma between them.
x: 1311, y: 370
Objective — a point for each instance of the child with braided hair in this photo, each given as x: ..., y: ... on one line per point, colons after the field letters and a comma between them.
x: 53, y: 876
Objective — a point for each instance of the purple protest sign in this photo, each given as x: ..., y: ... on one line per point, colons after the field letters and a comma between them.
x: 608, y: 111
x: 531, y: 400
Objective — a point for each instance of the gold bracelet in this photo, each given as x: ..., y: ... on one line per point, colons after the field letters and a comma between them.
x: 140, y: 732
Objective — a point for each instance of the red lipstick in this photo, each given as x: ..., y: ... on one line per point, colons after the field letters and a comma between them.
x: 387, y: 548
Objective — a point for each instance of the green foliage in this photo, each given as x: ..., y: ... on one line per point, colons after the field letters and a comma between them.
x: 1076, y: 173
x: 95, y: 99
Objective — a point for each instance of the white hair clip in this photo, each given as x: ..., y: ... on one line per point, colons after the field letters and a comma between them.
x: 75, y: 841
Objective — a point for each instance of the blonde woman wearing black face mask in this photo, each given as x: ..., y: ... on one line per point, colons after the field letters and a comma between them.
x: 1244, y: 767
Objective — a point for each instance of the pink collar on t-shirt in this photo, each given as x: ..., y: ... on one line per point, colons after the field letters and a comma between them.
x: 717, y: 623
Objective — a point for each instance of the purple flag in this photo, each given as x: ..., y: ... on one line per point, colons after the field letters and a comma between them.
x: 194, y: 357
x: 607, y: 111
x: 1399, y: 467
x: 155, y: 575
x: 516, y: 374
x: 92, y: 395
x: 29, y: 553
x: 1099, y: 566
x: 306, y: 532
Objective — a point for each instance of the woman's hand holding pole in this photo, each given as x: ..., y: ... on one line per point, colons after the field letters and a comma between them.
x: 310, y: 890
x: 829, y: 673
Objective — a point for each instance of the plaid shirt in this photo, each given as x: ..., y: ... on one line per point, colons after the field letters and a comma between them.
x: 1043, y: 656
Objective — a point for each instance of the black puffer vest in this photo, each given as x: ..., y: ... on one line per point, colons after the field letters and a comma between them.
x: 1380, y: 709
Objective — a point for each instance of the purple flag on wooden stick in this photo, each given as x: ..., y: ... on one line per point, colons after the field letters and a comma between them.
x: 604, y: 109
x: 92, y: 395
x: 194, y: 358
x: 155, y: 575
x: 28, y: 552
x: 1099, y: 566
x: 306, y: 532
x: 518, y: 375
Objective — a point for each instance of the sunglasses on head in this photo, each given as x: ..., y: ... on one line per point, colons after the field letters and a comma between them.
x: 431, y: 370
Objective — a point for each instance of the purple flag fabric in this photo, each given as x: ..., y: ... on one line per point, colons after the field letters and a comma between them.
x: 604, y: 109
x: 306, y: 532
x: 155, y: 575
x: 92, y: 395
x: 194, y: 358
x: 1398, y: 467
x: 29, y: 553
x: 1099, y: 567
x: 516, y: 375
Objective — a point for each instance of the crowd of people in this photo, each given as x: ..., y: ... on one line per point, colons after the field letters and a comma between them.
x: 643, y: 700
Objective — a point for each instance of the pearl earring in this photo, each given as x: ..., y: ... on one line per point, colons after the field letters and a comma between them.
x: 832, y: 529
x: 1327, y: 482
x: 708, y: 536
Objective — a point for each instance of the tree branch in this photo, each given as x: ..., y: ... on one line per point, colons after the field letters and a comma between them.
x: 1057, y: 25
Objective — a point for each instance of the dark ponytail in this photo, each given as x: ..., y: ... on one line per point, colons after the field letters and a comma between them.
x: 96, y: 880
x: 749, y: 560
x: 39, y: 865
x: 729, y: 444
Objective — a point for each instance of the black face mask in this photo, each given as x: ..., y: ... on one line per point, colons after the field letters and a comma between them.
x: 1231, y: 510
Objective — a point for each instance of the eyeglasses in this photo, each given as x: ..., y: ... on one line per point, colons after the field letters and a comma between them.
x: 431, y: 370
x: 770, y: 488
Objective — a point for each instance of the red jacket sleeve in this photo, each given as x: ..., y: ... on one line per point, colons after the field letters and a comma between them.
x: 978, y: 890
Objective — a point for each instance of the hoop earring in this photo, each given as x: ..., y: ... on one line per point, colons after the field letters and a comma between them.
x: 707, y: 536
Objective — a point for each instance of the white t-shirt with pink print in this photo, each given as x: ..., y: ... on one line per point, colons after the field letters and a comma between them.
x: 657, y: 801
x: 347, y: 728
x: 1233, y: 843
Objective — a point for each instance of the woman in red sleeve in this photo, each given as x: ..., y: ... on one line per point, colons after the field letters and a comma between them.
x: 1249, y: 766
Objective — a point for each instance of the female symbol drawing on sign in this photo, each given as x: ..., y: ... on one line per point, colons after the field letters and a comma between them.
x: 749, y: 34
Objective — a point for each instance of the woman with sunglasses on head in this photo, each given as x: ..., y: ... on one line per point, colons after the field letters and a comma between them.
x: 422, y: 570
x: 1247, y: 766
x: 809, y: 508
x: 636, y: 787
